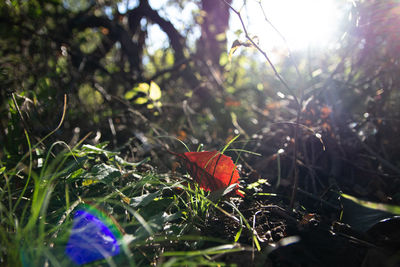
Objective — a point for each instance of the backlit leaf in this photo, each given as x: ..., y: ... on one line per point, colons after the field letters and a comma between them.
x: 140, y: 100
x: 142, y: 87
x: 129, y: 95
x: 101, y: 172
x: 373, y: 205
x: 362, y: 215
x: 154, y: 92
x: 211, y: 170
x: 236, y: 44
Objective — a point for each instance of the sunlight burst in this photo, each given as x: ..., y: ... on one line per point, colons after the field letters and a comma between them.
x: 305, y: 23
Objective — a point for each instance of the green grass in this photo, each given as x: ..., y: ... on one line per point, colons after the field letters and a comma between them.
x: 160, y: 218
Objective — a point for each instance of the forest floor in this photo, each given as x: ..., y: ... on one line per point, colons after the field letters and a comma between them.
x: 164, y: 219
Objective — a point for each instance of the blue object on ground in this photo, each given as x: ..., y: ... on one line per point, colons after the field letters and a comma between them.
x: 91, y: 239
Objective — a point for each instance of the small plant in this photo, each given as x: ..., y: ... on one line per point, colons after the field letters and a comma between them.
x: 89, y: 187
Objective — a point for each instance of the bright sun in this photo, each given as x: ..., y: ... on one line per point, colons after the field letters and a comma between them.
x: 303, y: 23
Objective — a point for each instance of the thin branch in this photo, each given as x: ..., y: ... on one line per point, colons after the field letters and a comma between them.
x: 175, y: 67
x: 296, y: 169
x: 298, y: 99
x: 382, y: 160
x: 25, y: 124
x: 116, y: 33
x: 280, y: 78
x: 282, y: 37
x: 176, y: 39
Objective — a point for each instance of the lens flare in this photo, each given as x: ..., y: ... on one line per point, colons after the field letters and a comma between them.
x: 93, y: 236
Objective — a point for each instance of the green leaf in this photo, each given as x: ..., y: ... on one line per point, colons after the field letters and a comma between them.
x: 156, y: 223
x: 257, y: 184
x: 76, y: 174
x: 2, y: 170
x: 143, y: 200
x: 236, y: 44
x: 154, y: 92
x: 140, y: 100
x: 222, y: 249
x: 130, y: 94
x: 103, y: 172
x: 238, y: 234
x: 142, y: 87
x: 373, y: 205
x: 98, y: 149
x: 123, y: 162
x: 362, y: 215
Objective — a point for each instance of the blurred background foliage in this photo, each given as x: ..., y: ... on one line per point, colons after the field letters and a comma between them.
x: 136, y: 70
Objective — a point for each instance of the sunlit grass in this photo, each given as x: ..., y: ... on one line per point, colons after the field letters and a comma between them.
x: 156, y: 213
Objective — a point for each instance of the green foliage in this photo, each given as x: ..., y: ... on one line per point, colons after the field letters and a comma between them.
x: 91, y: 98
x: 152, y: 95
x: 88, y: 40
x: 36, y: 218
x: 338, y: 115
x: 363, y: 215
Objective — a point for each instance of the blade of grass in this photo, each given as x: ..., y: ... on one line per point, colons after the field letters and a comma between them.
x: 172, y: 137
x: 29, y: 174
x: 229, y: 143
x: 239, y: 233
x: 246, y: 223
x: 229, y: 248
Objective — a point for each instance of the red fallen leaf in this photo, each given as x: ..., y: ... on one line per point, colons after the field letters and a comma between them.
x: 211, y: 169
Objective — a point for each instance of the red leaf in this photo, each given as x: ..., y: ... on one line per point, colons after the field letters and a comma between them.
x: 211, y: 169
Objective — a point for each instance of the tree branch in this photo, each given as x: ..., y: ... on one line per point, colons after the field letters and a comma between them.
x: 116, y: 33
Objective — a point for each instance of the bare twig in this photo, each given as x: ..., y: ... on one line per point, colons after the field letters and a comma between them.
x: 175, y: 67
x: 61, y: 120
x: 382, y: 160
x: 282, y: 37
x: 297, y: 98
x: 20, y: 113
x: 296, y: 169
x: 280, y: 78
